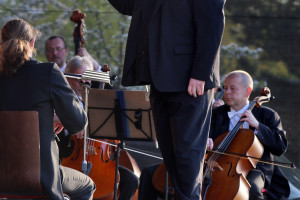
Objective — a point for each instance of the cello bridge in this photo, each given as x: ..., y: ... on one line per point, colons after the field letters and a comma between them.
x: 214, y: 165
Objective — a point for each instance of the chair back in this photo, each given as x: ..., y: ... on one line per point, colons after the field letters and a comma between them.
x: 19, y: 154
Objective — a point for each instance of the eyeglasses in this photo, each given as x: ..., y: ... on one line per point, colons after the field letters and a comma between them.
x: 57, y: 49
x: 83, y: 83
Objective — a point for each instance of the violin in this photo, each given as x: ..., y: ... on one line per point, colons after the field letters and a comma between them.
x: 225, y: 175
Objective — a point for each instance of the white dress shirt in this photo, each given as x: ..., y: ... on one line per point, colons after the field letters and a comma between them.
x: 235, y: 117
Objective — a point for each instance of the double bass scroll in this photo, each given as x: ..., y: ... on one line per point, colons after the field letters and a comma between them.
x: 80, y: 29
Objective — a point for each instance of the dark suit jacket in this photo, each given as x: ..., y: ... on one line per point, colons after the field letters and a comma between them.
x: 42, y: 87
x: 270, y: 133
x: 183, y: 37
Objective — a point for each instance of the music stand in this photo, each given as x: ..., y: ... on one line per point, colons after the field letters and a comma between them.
x: 120, y: 115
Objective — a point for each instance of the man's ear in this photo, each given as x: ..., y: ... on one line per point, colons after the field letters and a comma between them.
x: 248, y: 91
x: 67, y: 52
x: 32, y: 43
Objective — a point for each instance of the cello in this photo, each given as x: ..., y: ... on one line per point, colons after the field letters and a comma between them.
x: 224, y: 175
x: 100, y: 166
x: 100, y: 157
x: 229, y: 169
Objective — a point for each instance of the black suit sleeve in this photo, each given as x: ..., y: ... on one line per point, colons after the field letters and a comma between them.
x: 125, y: 7
x: 271, y: 133
x: 68, y: 108
x: 209, y: 22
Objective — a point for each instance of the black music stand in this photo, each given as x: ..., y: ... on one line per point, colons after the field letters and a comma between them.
x: 120, y: 115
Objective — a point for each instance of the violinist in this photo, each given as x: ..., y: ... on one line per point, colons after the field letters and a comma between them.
x: 27, y: 84
x: 128, y: 180
x: 265, y: 123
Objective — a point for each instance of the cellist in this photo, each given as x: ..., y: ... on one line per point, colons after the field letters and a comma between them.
x: 128, y: 181
x: 265, y: 123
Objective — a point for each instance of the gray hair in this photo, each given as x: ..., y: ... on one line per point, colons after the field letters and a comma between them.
x: 79, y: 62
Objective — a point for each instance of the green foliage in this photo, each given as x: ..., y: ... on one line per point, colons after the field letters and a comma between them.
x: 276, y: 69
x: 106, y: 29
x: 261, y: 37
x: 234, y: 57
x: 273, y: 26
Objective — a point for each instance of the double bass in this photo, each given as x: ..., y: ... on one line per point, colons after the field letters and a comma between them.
x: 100, y: 154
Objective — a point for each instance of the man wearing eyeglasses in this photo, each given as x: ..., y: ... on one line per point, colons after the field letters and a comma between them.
x: 57, y: 51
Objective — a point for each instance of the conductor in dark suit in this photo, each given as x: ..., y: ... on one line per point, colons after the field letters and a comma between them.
x: 265, y: 123
x: 173, y: 45
x: 26, y: 85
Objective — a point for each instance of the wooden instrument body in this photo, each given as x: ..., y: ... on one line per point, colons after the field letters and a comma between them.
x: 229, y: 172
x: 103, y: 168
x: 100, y: 157
x: 158, y: 179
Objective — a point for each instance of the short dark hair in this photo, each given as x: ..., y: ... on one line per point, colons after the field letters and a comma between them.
x: 55, y: 37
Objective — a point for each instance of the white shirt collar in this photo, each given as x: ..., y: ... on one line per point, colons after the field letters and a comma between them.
x: 63, y: 67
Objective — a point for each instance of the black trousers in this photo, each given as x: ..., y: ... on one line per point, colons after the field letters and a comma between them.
x: 146, y: 189
x: 257, y: 181
x: 128, y: 184
x: 182, y: 127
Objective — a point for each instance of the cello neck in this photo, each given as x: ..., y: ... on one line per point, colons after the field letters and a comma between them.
x: 220, y: 95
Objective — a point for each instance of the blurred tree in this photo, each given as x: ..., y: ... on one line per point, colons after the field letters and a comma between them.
x: 234, y: 57
x: 251, y: 26
x: 273, y: 26
x: 106, y: 30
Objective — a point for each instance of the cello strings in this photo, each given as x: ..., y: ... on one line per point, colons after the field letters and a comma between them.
x: 230, y: 136
x: 129, y: 149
